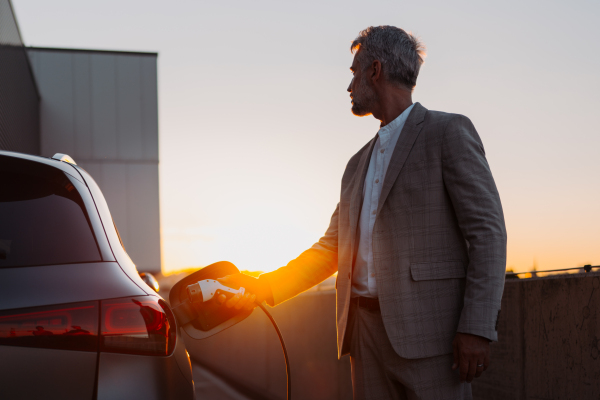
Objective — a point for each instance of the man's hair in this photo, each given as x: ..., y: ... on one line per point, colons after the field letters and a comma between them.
x: 400, y: 53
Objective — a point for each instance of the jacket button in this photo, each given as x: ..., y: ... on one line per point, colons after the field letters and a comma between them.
x: 348, y: 275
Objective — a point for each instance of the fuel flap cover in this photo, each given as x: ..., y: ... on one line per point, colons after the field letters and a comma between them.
x: 212, y: 316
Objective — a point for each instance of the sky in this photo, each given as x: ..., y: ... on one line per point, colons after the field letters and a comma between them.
x: 256, y: 130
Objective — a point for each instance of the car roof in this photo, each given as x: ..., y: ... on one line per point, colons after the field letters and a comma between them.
x: 64, y: 166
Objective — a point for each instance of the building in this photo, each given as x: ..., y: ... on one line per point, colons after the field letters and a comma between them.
x: 99, y: 107
x: 19, y: 97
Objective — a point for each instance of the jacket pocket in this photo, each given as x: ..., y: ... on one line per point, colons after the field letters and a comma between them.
x: 438, y: 270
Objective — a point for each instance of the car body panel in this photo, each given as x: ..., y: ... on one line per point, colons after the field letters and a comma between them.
x: 123, y: 376
x: 47, y: 371
x: 69, y: 283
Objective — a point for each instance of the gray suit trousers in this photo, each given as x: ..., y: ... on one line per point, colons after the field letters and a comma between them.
x: 378, y: 372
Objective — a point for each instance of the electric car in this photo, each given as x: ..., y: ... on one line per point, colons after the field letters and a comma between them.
x: 76, y: 319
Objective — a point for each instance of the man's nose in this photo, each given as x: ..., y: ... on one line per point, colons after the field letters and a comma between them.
x: 350, y: 86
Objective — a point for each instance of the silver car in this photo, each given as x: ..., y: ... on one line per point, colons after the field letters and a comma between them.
x: 76, y: 319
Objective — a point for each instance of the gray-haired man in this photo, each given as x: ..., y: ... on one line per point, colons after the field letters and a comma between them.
x: 418, y: 239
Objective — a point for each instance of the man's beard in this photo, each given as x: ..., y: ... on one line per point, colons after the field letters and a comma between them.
x: 363, y: 99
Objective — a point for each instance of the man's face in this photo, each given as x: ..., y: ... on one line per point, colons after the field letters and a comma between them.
x: 361, y: 92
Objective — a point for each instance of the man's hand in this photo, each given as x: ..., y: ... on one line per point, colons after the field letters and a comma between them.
x: 256, y: 290
x: 471, y: 355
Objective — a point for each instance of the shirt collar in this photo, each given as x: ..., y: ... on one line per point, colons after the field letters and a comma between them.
x: 394, y: 127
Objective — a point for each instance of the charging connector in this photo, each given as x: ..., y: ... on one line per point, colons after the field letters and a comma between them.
x: 204, y: 311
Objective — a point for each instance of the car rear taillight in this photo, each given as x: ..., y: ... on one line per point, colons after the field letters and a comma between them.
x: 133, y: 325
x: 69, y: 327
x: 137, y: 325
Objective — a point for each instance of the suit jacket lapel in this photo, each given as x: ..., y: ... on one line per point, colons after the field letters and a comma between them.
x: 412, y: 128
x: 357, y: 198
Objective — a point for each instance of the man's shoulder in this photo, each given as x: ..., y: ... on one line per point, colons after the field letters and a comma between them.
x: 442, y: 117
x: 436, y: 124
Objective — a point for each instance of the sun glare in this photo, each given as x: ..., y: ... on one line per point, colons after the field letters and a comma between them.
x: 262, y: 240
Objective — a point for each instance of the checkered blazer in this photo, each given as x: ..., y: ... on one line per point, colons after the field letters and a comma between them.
x: 439, y: 240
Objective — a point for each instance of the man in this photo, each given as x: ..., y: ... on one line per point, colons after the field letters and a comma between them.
x: 418, y: 240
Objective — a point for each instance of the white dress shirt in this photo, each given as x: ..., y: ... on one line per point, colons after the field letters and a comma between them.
x: 363, y: 276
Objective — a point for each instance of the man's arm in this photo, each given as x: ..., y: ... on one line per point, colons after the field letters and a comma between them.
x: 476, y: 202
x: 470, y: 185
x: 312, y: 267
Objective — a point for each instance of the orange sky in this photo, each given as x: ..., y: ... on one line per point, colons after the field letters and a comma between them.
x: 256, y: 129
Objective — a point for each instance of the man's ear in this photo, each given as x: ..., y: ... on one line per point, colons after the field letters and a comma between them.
x: 376, y: 74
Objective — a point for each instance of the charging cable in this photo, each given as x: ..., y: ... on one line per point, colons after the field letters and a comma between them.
x: 285, y: 354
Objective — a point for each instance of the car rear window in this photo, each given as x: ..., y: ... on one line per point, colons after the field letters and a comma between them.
x: 43, y: 220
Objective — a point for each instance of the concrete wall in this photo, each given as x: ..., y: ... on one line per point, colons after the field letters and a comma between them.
x: 548, y: 349
x: 101, y: 108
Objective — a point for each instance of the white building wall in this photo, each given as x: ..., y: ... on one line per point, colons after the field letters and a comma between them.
x: 101, y: 108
